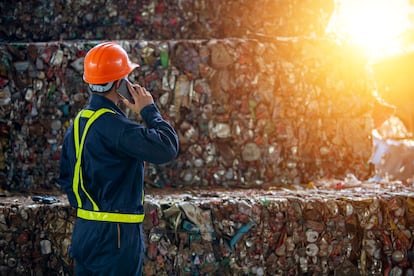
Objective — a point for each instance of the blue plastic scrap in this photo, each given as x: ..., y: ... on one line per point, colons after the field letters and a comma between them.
x: 240, y: 233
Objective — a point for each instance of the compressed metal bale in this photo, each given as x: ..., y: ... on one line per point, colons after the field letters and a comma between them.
x: 257, y: 114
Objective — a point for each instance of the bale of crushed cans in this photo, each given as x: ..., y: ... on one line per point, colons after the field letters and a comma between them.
x: 330, y: 227
x: 249, y: 112
x: 42, y: 20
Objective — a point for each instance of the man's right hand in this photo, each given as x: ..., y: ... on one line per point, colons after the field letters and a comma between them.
x: 141, y: 97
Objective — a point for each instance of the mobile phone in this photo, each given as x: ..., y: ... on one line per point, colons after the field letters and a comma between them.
x: 124, y: 91
x: 45, y: 199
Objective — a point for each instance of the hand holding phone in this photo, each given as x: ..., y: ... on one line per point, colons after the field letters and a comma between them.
x: 124, y: 91
x: 139, y: 100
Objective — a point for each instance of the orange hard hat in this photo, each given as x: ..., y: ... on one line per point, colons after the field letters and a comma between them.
x: 107, y: 62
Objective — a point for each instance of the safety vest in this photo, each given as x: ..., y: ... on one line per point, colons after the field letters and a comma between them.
x: 77, y: 183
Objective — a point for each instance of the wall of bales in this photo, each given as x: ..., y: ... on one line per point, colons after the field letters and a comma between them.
x: 249, y: 113
x: 252, y: 110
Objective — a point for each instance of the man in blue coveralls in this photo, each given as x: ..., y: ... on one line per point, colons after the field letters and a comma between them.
x: 102, y: 166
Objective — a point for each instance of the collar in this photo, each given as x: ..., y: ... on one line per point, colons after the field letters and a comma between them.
x: 101, y: 88
x: 98, y: 101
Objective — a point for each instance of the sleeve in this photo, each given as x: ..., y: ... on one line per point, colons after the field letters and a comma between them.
x: 66, y: 173
x: 157, y: 143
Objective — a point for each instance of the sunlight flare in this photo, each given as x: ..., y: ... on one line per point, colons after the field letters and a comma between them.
x: 375, y: 26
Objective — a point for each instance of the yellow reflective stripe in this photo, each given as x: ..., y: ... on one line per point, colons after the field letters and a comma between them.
x: 77, y: 176
x: 94, y: 205
x: 86, y: 113
x: 95, y: 115
x: 110, y: 217
x: 75, y: 181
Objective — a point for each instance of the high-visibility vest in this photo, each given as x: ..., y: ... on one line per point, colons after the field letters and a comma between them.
x: 96, y: 213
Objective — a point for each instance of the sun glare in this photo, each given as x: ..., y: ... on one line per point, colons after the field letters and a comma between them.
x: 373, y: 25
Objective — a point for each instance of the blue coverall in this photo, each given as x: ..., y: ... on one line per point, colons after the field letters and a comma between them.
x: 112, y: 169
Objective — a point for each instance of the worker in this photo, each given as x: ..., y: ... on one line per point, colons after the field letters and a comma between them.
x: 102, y: 166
